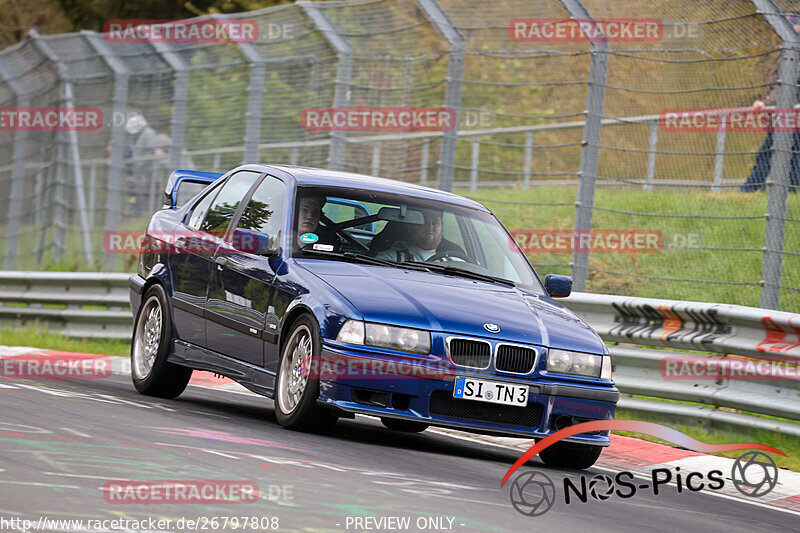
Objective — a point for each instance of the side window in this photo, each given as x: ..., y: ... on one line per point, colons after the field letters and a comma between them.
x: 264, y: 211
x: 200, y: 210
x: 227, y: 201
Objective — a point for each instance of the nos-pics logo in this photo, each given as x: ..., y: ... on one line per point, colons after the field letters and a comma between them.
x: 533, y: 493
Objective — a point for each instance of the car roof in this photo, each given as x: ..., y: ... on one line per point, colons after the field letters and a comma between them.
x: 307, y: 176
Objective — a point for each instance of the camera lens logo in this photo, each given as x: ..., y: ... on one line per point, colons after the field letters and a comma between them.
x: 533, y: 493
x: 601, y: 487
x: 754, y: 474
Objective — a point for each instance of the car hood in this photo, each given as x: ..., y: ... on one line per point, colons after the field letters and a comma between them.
x: 451, y: 304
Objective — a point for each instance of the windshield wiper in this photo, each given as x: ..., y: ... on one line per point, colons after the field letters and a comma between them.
x: 449, y: 269
x: 361, y: 258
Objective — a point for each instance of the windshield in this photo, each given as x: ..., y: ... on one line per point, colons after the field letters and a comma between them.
x: 332, y: 223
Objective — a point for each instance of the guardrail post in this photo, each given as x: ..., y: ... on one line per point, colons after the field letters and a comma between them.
x: 17, y: 173
x: 719, y: 158
x: 526, y: 172
x: 119, y: 102
x: 341, y: 94
x: 179, y: 101
x: 595, y: 96
x: 452, y: 95
x: 778, y: 181
x: 651, y: 156
x: 72, y: 136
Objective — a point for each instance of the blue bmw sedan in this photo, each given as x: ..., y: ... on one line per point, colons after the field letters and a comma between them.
x: 336, y: 293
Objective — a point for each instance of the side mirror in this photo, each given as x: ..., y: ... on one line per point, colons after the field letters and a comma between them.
x: 254, y: 242
x: 558, y: 286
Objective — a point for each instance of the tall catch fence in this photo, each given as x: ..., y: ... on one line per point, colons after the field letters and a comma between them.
x: 552, y: 132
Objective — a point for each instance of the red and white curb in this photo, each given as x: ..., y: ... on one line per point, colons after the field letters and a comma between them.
x: 624, y: 454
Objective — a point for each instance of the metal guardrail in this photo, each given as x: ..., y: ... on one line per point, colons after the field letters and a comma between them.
x: 753, y: 345
x: 96, y: 305
x: 76, y: 304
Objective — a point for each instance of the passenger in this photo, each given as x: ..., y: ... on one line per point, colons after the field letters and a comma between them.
x: 309, y: 229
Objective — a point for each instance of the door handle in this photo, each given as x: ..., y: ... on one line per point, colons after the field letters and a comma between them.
x: 221, y: 262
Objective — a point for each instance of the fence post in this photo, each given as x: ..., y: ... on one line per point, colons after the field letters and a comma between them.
x: 119, y: 102
x: 476, y: 154
x: 341, y: 94
x: 651, y: 156
x: 526, y: 173
x: 452, y: 95
x: 179, y: 101
x: 778, y: 181
x: 719, y: 158
x: 258, y: 72
x: 72, y: 136
x: 426, y: 149
x: 17, y: 173
x: 595, y: 95
x: 376, y: 158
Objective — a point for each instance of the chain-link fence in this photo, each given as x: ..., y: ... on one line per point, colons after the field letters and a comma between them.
x: 552, y: 131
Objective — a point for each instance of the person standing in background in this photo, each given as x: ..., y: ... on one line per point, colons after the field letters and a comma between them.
x: 756, y: 181
x: 146, y: 154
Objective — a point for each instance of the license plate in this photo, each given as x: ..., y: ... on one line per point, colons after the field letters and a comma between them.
x: 490, y: 391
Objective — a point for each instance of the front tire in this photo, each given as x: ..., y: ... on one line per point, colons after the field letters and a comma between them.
x: 570, y: 455
x: 296, y: 388
x: 152, y: 374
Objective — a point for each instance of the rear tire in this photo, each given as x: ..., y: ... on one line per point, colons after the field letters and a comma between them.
x: 570, y: 455
x: 408, y: 426
x: 151, y: 373
x: 296, y: 389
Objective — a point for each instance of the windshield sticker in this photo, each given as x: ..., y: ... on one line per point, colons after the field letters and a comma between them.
x: 309, y: 238
x: 324, y: 247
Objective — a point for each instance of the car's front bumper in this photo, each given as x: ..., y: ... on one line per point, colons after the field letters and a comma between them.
x: 411, y: 396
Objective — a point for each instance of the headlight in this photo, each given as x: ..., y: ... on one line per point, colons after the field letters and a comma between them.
x: 383, y: 336
x: 394, y: 338
x: 352, y: 332
x: 581, y: 364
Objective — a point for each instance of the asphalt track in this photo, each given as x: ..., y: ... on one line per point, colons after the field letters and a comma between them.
x: 62, y: 441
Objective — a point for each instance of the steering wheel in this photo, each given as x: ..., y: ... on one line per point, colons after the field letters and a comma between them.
x: 440, y: 256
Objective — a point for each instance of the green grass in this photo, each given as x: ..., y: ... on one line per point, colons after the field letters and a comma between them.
x: 38, y: 337
x: 722, y: 435
x: 620, y: 273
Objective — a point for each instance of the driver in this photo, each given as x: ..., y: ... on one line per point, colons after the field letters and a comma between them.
x: 424, y: 241
x: 309, y: 230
